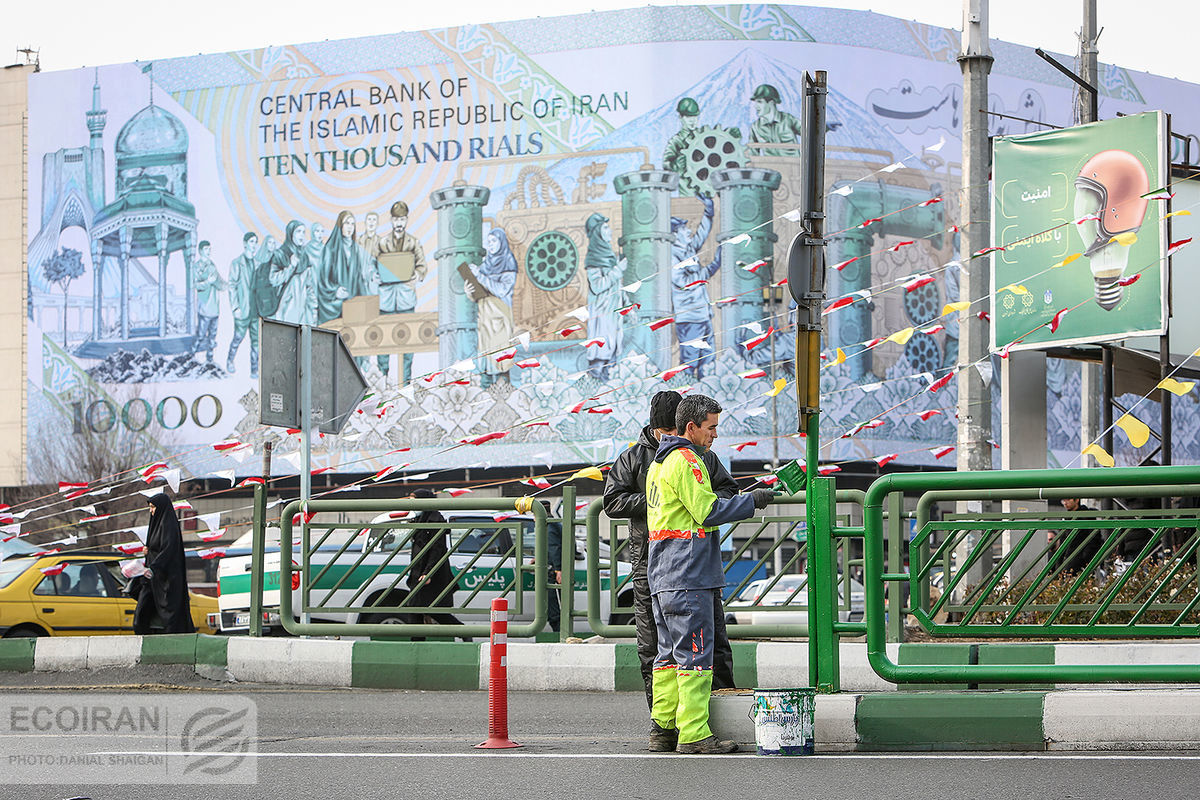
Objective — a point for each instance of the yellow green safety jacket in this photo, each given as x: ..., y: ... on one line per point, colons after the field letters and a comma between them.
x: 682, y: 513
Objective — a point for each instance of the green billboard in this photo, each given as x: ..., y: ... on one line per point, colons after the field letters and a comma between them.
x: 1079, y: 223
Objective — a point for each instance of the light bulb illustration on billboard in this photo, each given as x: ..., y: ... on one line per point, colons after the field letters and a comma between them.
x: 1109, y: 201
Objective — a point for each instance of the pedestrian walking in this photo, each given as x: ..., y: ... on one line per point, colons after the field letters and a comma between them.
x: 167, y: 573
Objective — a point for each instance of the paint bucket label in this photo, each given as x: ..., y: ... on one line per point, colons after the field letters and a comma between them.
x: 783, y: 721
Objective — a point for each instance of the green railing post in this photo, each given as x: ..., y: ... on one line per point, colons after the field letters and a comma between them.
x: 895, y: 591
x: 566, y: 590
x: 258, y: 546
x: 822, y: 585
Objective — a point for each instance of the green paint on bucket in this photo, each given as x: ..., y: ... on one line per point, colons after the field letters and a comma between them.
x: 783, y: 721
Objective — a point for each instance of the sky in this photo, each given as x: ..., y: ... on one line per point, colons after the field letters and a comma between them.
x: 74, y: 33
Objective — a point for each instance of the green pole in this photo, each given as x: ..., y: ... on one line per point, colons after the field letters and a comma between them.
x: 258, y: 542
x: 895, y: 556
x: 566, y: 591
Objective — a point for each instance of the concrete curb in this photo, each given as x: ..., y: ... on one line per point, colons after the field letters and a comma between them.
x: 869, y: 715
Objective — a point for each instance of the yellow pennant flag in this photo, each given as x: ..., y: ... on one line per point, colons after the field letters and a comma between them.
x: 1068, y: 260
x: 901, y: 337
x: 1176, y: 387
x: 1124, y: 239
x: 841, y: 356
x: 960, y: 306
x: 777, y: 388
x: 1015, y: 288
x: 1184, y: 213
x: 589, y: 472
x: 1135, y: 429
x: 1100, y: 454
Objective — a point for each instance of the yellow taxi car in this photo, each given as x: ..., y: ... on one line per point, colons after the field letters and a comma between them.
x: 85, y: 598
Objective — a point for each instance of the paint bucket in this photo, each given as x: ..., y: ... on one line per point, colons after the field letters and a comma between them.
x: 783, y: 721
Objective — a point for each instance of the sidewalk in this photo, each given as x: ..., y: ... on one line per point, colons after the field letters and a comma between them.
x: 869, y: 714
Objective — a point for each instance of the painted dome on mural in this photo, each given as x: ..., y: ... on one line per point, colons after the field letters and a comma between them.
x: 152, y: 130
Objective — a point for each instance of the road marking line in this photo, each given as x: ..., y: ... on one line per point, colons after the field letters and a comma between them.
x: 820, y: 756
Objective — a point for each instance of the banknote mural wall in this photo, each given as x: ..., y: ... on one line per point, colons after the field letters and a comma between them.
x: 524, y: 227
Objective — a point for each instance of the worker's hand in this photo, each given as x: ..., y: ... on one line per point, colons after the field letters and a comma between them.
x: 762, y: 497
x: 708, y: 205
x: 558, y: 576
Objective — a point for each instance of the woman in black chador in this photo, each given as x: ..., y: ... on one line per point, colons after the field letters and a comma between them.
x: 430, y: 577
x: 167, y: 574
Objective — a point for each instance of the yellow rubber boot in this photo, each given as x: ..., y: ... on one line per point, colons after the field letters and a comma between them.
x: 695, y: 689
x: 666, y: 697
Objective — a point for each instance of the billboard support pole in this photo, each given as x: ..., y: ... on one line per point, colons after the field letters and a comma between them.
x: 305, y: 359
x: 1089, y: 389
x: 974, y: 396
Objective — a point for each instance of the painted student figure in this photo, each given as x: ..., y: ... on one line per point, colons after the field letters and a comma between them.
x: 342, y: 268
x: 241, y: 303
x: 291, y: 275
x: 209, y: 284
x: 167, y: 572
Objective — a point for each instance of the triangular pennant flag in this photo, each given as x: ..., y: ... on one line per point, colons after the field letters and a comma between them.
x: 171, y: 476
x: 632, y: 287
x: 840, y: 358
x: 1175, y: 247
x: 1135, y: 429
x: 741, y: 238
x: 1067, y: 260
x: 466, y: 365
x: 1015, y: 288
x: 140, y: 532
x: 984, y: 368
x: 960, y: 306
x: 1100, y: 454
x: 224, y: 474
x: 1124, y: 239
x: 211, y: 521
x: 939, y: 452
x: 844, y: 191
x: 1054, y: 323
x: 1176, y: 387
x: 593, y: 473
x: 901, y: 337
x: 1183, y: 213
x: 780, y: 383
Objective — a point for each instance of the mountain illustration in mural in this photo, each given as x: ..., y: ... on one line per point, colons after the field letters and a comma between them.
x: 724, y: 99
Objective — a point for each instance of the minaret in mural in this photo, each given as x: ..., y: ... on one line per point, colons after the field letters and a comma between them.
x: 72, y: 186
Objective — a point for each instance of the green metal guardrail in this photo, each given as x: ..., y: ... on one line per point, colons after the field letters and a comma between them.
x: 1067, y: 589
x: 327, y: 580
x: 772, y: 531
x: 1017, y: 595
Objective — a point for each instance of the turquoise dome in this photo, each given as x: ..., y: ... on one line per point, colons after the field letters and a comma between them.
x: 152, y: 131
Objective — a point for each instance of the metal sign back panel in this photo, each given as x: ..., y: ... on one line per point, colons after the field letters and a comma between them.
x: 337, y: 383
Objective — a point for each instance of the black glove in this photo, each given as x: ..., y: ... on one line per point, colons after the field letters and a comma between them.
x: 762, y: 497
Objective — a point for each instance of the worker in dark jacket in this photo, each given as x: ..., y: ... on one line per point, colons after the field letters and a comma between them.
x: 625, y: 498
x: 683, y: 566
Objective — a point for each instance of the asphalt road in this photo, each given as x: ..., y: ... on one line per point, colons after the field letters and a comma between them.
x: 320, y: 743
